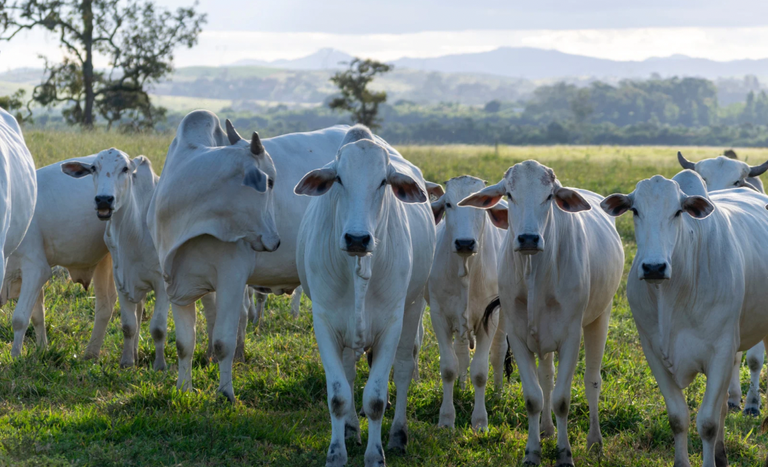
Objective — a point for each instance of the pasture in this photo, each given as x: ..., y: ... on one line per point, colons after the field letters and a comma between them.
x: 57, y: 409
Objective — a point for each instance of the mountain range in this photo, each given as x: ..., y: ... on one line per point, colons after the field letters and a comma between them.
x: 536, y: 64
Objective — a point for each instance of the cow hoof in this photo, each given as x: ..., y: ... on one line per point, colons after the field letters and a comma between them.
x: 734, y: 407
x: 721, y: 460
x: 228, y: 394
x: 532, y: 458
x: 480, y: 424
x: 126, y: 363
x: 565, y: 458
x: 350, y: 431
x: 375, y: 458
x: 548, y: 431
x: 752, y: 412
x: 90, y: 355
x: 159, y: 365
x: 595, y: 442
x: 398, y: 439
x: 337, y: 456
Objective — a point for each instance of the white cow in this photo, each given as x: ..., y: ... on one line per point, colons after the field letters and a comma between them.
x: 256, y: 310
x: 697, y: 293
x: 559, y: 269
x: 719, y: 174
x: 462, y: 282
x: 18, y: 196
x: 64, y: 232
x: 212, y: 233
x: 365, y: 251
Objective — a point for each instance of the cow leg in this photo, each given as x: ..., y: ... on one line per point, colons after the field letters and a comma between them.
x: 417, y: 349
x: 461, y: 348
x: 158, y: 327
x: 479, y: 374
x: 595, y: 335
x: 296, y: 301
x: 547, y: 383
x: 755, y: 360
x: 257, y: 309
x: 241, y: 327
x: 104, y: 305
x: 32, y: 280
x: 398, y: 433
x: 38, y: 320
x: 568, y: 356
x: 708, y: 419
x: 498, y: 354
x: 449, y: 365
x: 720, y: 457
x: 130, y: 322
x: 226, y: 332
x: 337, y: 386
x: 526, y: 364
x: 185, y: 317
x: 375, y: 396
x: 209, y: 309
x: 352, y: 424
x: 734, y: 389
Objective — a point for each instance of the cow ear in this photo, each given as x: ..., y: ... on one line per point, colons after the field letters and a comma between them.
x: 499, y: 216
x: 316, y: 182
x: 438, y: 209
x: 697, y: 207
x: 486, y: 198
x: 434, y: 190
x: 616, y: 205
x: 77, y: 169
x: 405, y: 188
x: 570, y: 200
x: 256, y: 179
x: 138, y: 162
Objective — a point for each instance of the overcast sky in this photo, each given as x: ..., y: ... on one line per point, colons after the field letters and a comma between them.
x: 389, y: 29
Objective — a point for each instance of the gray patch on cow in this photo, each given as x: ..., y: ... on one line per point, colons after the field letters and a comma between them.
x: 376, y: 410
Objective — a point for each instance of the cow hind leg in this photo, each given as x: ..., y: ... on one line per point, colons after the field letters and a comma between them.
x: 461, y: 348
x: 734, y: 389
x: 352, y: 423
x: 226, y: 332
x: 38, y: 320
x: 158, y: 327
x: 185, y: 317
x: 498, y: 355
x: 33, y: 279
x: 547, y: 382
x: 130, y: 323
x: 209, y: 310
x: 755, y: 361
x: 241, y: 327
x: 595, y: 335
x: 296, y: 301
x: 104, y: 305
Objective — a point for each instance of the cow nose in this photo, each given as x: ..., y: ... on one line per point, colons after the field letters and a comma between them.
x: 357, y: 243
x: 528, y: 241
x: 654, y: 271
x: 104, y: 201
x: 465, y: 245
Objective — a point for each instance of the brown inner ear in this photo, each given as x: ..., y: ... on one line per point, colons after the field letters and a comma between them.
x: 500, y: 218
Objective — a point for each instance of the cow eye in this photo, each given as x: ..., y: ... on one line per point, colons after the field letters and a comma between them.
x: 338, y: 179
x: 448, y: 205
x: 383, y: 182
x: 125, y: 169
x: 677, y: 214
x: 736, y: 183
x: 634, y: 212
x: 549, y: 197
x: 271, y: 184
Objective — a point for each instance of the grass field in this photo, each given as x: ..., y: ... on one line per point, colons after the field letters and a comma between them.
x: 56, y: 409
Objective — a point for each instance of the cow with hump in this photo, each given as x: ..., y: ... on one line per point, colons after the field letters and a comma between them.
x: 559, y: 268
x: 463, y: 280
x: 365, y: 252
x: 723, y: 173
x: 697, y: 293
x: 18, y: 196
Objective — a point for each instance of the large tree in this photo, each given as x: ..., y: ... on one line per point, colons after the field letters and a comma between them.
x: 137, y: 39
x: 355, y: 96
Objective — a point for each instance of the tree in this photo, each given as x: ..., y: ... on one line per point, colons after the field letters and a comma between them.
x: 13, y: 105
x: 137, y: 39
x: 355, y: 95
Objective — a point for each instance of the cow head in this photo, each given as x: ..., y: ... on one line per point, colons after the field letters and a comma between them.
x: 113, y: 172
x: 532, y: 192
x: 723, y: 172
x: 659, y: 207
x: 358, y: 180
x: 465, y: 225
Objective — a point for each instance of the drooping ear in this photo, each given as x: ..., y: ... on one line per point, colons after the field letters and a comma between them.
x: 485, y: 198
x: 77, y: 169
x: 256, y: 179
x: 697, y: 207
x: 616, y: 204
x: 137, y: 162
x: 570, y: 200
x: 405, y: 188
x: 438, y: 209
x: 256, y: 147
x: 316, y: 182
x: 434, y: 190
x: 499, y: 216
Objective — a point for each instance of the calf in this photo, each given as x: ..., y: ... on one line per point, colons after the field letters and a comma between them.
x: 462, y: 281
x: 365, y: 249
x: 697, y: 294
x: 559, y: 268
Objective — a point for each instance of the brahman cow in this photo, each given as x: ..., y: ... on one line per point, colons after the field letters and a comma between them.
x: 559, y: 268
x: 697, y: 293
x: 719, y: 174
x: 364, y: 255
x: 64, y: 232
x: 462, y: 281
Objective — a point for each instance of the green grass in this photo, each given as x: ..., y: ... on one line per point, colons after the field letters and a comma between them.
x: 56, y: 409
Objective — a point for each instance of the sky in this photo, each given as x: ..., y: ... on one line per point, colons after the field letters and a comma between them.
x: 390, y: 29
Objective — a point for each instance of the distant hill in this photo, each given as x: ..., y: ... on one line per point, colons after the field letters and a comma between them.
x: 323, y: 59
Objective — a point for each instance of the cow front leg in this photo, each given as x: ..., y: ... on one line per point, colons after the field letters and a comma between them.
x: 32, y: 281
x: 461, y: 348
x: 38, y: 320
x: 755, y: 361
x: 479, y: 375
x: 449, y: 365
x: 734, y: 389
x: 561, y: 397
x: 185, y: 318
x: 296, y: 301
x: 352, y: 424
x: 595, y: 335
x: 230, y: 312
x: 498, y: 355
x: 130, y: 325
x: 375, y: 393
x: 709, y: 417
x: 526, y: 364
x: 209, y: 310
x: 158, y: 326
x: 104, y: 305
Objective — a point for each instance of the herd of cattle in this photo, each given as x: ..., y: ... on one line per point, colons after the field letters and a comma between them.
x: 342, y: 214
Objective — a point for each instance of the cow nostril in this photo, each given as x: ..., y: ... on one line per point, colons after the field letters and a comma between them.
x: 528, y: 238
x: 357, y: 240
x: 465, y: 244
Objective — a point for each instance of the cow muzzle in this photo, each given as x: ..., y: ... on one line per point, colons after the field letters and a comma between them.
x: 529, y: 244
x: 465, y: 246
x: 654, y: 273
x: 105, y: 205
x: 358, y: 243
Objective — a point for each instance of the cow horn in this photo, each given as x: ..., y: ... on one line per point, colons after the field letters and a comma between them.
x: 757, y: 170
x: 685, y: 162
x: 256, y: 146
x: 232, y: 134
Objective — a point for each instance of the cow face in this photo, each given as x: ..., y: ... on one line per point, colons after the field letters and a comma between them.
x: 722, y: 172
x: 465, y: 225
x: 360, y: 177
x: 658, y: 206
x: 112, y: 173
x: 532, y: 192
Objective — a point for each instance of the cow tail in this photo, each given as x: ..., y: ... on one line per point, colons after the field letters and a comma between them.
x: 495, y: 303
x: 765, y: 430
x: 509, y: 361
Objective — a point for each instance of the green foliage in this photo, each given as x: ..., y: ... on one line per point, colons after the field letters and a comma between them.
x: 356, y: 97
x: 13, y: 105
x: 58, y: 410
